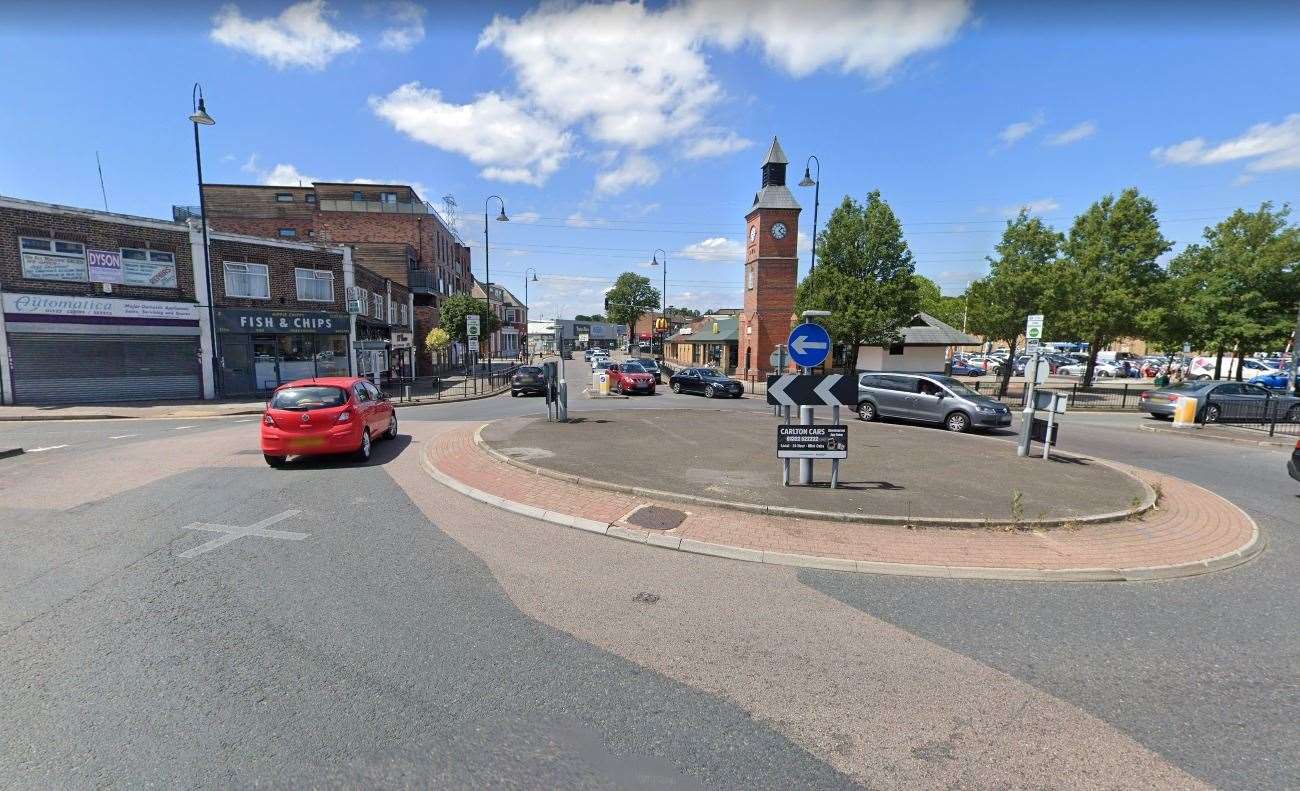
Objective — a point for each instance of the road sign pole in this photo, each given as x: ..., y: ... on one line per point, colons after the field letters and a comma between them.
x: 805, y: 465
x: 1047, y: 438
x: 835, y: 463
x: 785, y: 463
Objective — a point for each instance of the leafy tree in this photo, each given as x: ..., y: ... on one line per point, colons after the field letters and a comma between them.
x: 631, y: 297
x: 863, y: 276
x: 931, y: 300
x: 582, y: 317
x: 1240, y: 288
x: 1109, y: 272
x: 599, y: 318
x: 1017, y: 285
x: 437, y: 341
x: 689, y: 313
x: 454, y: 310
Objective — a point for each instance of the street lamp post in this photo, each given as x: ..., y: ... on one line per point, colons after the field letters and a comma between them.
x: 808, y: 181
x: 654, y: 261
x: 487, y: 261
x: 526, y: 281
x: 200, y: 116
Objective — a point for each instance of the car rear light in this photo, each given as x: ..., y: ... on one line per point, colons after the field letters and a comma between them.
x: 1145, y: 395
x: 344, y: 416
x: 267, y: 420
x: 1173, y: 399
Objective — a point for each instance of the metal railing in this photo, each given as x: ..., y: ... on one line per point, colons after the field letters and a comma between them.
x: 1123, y: 397
x: 420, y: 280
x: 457, y: 384
x: 1276, y: 415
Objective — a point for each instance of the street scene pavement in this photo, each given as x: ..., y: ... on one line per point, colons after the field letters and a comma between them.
x: 336, y: 624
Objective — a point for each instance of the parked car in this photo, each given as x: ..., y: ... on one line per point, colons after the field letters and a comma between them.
x: 630, y: 377
x: 651, y: 367
x: 599, y: 364
x: 707, y: 381
x: 1293, y: 464
x: 1223, y: 401
x: 326, y: 415
x: 966, y: 369
x: 1100, y: 370
x: 529, y: 379
x: 931, y: 398
x: 1279, y: 380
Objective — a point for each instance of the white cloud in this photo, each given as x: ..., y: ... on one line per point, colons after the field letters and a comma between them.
x: 525, y: 217
x: 1040, y: 206
x: 300, y: 36
x: 636, y: 171
x: 406, y: 26
x: 718, y: 248
x: 576, y: 220
x: 702, y: 147
x: 1074, y: 134
x: 1014, y: 133
x: 1269, y: 147
x: 497, y: 133
x: 284, y: 174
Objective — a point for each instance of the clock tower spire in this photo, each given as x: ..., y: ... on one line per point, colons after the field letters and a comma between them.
x: 771, y: 265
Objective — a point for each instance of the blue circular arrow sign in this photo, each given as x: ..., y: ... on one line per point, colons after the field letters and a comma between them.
x: 809, y: 345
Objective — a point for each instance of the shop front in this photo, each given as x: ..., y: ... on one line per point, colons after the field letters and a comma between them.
x: 91, y: 349
x: 261, y: 349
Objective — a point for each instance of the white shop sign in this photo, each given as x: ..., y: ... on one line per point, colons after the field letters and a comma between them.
x: 43, y: 266
x: 98, y: 307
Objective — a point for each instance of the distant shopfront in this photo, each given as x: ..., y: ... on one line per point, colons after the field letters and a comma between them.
x: 262, y: 349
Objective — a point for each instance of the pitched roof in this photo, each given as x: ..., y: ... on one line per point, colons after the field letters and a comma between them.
x: 926, y: 330
x: 775, y: 197
x: 728, y: 330
x: 775, y: 155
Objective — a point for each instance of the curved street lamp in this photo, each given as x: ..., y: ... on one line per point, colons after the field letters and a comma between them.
x: 487, y: 260
x: 526, y: 282
x: 654, y: 261
x: 200, y: 117
x: 809, y: 181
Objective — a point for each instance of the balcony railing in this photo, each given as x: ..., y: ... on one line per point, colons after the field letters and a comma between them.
x: 379, y: 207
x: 421, y: 281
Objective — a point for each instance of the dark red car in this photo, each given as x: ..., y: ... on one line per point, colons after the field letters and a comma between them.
x: 315, y: 417
x: 630, y: 378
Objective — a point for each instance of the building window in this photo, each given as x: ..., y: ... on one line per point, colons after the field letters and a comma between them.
x: 895, y: 349
x: 288, y: 233
x: 358, y: 195
x: 411, y: 263
x: 377, y: 305
x: 310, y: 197
x: 314, y: 285
x: 50, y: 259
x: 402, y: 318
x: 153, y: 268
x: 392, y: 312
x: 362, y: 297
x: 510, y: 315
x: 388, y: 197
x: 251, y: 281
x: 284, y: 197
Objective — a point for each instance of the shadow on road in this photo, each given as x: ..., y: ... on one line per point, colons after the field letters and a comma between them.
x: 381, y: 452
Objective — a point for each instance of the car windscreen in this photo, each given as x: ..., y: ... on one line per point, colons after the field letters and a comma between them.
x: 530, y: 369
x: 649, y: 365
x: 304, y: 398
x: 632, y: 368
x: 709, y: 373
x: 956, y: 386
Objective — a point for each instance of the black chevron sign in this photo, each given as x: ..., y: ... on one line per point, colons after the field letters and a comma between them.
x: 812, y: 390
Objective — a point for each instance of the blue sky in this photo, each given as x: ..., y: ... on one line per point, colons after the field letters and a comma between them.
x: 611, y: 130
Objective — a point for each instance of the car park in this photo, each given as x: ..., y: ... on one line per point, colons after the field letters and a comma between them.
x: 1279, y: 380
x: 328, y: 415
x: 1101, y: 370
x: 651, y: 367
x: 630, y: 377
x: 966, y: 369
x: 529, y: 379
x: 1219, y: 401
x: 928, y: 398
x: 706, y: 381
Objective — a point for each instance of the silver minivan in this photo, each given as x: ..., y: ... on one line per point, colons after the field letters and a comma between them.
x: 930, y: 398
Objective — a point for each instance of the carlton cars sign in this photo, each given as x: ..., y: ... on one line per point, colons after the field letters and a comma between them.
x: 275, y: 322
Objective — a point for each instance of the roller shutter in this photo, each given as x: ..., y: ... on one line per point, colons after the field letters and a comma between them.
x: 87, y: 369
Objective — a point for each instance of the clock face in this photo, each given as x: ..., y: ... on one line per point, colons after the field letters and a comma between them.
x: 753, y: 232
x: 778, y: 230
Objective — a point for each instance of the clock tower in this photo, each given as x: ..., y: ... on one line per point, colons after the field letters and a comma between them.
x: 771, y: 266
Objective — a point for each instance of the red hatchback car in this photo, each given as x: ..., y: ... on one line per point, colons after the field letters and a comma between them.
x: 314, y: 417
x: 630, y: 377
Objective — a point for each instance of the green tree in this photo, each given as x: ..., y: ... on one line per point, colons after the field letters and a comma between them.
x: 451, y: 316
x: 863, y: 277
x: 1239, y: 288
x: 581, y: 317
x: 689, y: 313
x: 932, y: 300
x: 1017, y: 284
x: 631, y: 298
x: 1108, y: 274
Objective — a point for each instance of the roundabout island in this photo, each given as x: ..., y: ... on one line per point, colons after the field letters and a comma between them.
x: 912, y: 500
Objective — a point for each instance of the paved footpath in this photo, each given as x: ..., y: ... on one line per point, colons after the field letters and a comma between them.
x: 1192, y: 530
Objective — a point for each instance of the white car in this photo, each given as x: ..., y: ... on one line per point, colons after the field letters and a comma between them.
x: 1101, y: 370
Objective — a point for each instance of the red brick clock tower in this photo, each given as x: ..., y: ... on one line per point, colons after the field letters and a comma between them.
x: 771, y: 266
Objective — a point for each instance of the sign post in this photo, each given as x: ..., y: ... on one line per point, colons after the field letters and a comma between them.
x: 809, y: 345
x: 471, y: 333
x: 1034, y: 335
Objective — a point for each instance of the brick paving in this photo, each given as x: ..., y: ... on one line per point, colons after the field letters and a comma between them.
x: 1191, y: 524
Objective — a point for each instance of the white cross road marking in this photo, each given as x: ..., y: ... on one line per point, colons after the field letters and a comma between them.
x: 823, y: 390
x: 42, y: 450
x: 801, y: 344
x: 124, y: 436
x: 181, y: 428
x: 777, y: 390
x: 231, y: 532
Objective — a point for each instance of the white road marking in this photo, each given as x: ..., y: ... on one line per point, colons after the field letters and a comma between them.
x: 231, y: 532
x: 42, y: 450
x: 182, y: 428
x: 124, y: 436
x: 246, y: 420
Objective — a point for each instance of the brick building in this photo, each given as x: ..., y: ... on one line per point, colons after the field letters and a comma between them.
x: 390, y: 230
x: 512, y: 336
x: 97, y: 307
x: 771, y: 266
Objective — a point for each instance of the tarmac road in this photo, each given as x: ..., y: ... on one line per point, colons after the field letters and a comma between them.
x: 413, y: 637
